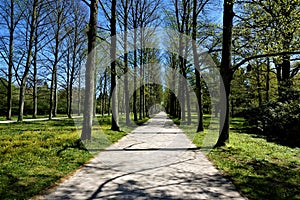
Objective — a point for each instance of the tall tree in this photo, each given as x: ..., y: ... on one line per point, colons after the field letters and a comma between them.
x: 196, y: 10
x: 58, y: 20
x: 10, y: 19
x: 90, y: 73
x: 32, y: 26
x: 75, y: 46
x: 113, y: 48
x: 126, y: 4
x: 226, y: 71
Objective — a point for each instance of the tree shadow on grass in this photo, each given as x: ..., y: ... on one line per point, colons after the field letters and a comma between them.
x: 239, y: 125
x: 260, y: 178
x: 269, y: 180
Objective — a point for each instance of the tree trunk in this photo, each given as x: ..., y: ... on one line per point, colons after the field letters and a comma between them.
x: 10, y: 59
x: 35, y: 92
x: 226, y: 72
x: 258, y: 84
x: 268, y: 80
x: 79, y: 92
x: 104, y: 94
x: 126, y: 90
x: 197, y: 69
x: 68, y: 81
x: 55, y: 94
x: 135, y: 71
x: 90, y: 73
x: 28, y: 60
x: 114, y: 86
x: 141, y: 82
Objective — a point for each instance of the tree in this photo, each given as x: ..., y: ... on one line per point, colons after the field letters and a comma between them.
x: 58, y: 20
x: 11, y: 20
x: 196, y: 10
x: 126, y: 4
x: 113, y: 48
x: 90, y: 73
x: 32, y: 18
x: 226, y: 71
x: 76, y: 46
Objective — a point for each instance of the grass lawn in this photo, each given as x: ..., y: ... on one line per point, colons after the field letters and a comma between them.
x: 259, y: 169
x: 34, y: 155
x: 3, y: 118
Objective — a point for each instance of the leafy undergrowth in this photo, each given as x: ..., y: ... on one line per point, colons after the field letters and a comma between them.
x: 35, y: 155
x: 259, y: 169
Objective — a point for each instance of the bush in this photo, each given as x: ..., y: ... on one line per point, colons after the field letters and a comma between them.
x: 276, y: 120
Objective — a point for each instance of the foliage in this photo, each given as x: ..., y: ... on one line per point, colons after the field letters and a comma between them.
x: 277, y: 120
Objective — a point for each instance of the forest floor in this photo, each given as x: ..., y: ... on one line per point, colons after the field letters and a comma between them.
x: 155, y: 161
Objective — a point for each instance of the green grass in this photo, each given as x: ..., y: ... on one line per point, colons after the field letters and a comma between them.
x: 34, y: 155
x: 259, y: 169
x: 3, y: 118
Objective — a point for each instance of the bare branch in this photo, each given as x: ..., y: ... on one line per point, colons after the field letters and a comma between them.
x: 262, y: 56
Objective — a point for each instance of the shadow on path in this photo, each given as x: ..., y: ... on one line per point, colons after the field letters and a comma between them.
x: 156, y: 165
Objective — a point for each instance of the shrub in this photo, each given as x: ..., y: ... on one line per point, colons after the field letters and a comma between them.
x: 276, y: 120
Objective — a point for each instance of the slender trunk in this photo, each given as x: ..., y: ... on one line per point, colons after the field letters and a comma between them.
x: 226, y: 72
x: 90, y: 73
x: 268, y: 80
x: 68, y: 82
x: 71, y: 95
x: 55, y: 95
x: 35, y: 90
x: 79, y: 92
x: 114, y: 86
x: 141, y: 83
x: 135, y: 71
x: 104, y: 94
x: 187, y: 32
x: 10, y: 60
x: 95, y: 97
x: 172, y: 95
x: 197, y: 69
x: 258, y: 85
x: 126, y: 90
x: 52, y: 93
x: 28, y: 60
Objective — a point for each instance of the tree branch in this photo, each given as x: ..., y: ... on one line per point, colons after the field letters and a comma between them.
x: 84, y: 1
x: 262, y: 56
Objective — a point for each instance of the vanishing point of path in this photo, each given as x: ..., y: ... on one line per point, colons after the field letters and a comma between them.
x: 155, y: 161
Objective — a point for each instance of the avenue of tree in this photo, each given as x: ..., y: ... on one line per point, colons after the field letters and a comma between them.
x: 48, y: 64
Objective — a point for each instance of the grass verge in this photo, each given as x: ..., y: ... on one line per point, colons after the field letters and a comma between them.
x: 35, y: 155
x: 259, y: 169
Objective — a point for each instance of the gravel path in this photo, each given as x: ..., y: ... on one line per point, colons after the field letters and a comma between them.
x: 155, y: 161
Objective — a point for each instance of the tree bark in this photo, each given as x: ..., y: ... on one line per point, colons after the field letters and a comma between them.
x: 35, y: 92
x: 135, y: 71
x: 268, y: 80
x: 90, y: 73
x: 28, y: 60
x: 226, y: 71
x: 114, y: 87
x: 197, y: 69
x: 10, y: 59
x: 126, y: 90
